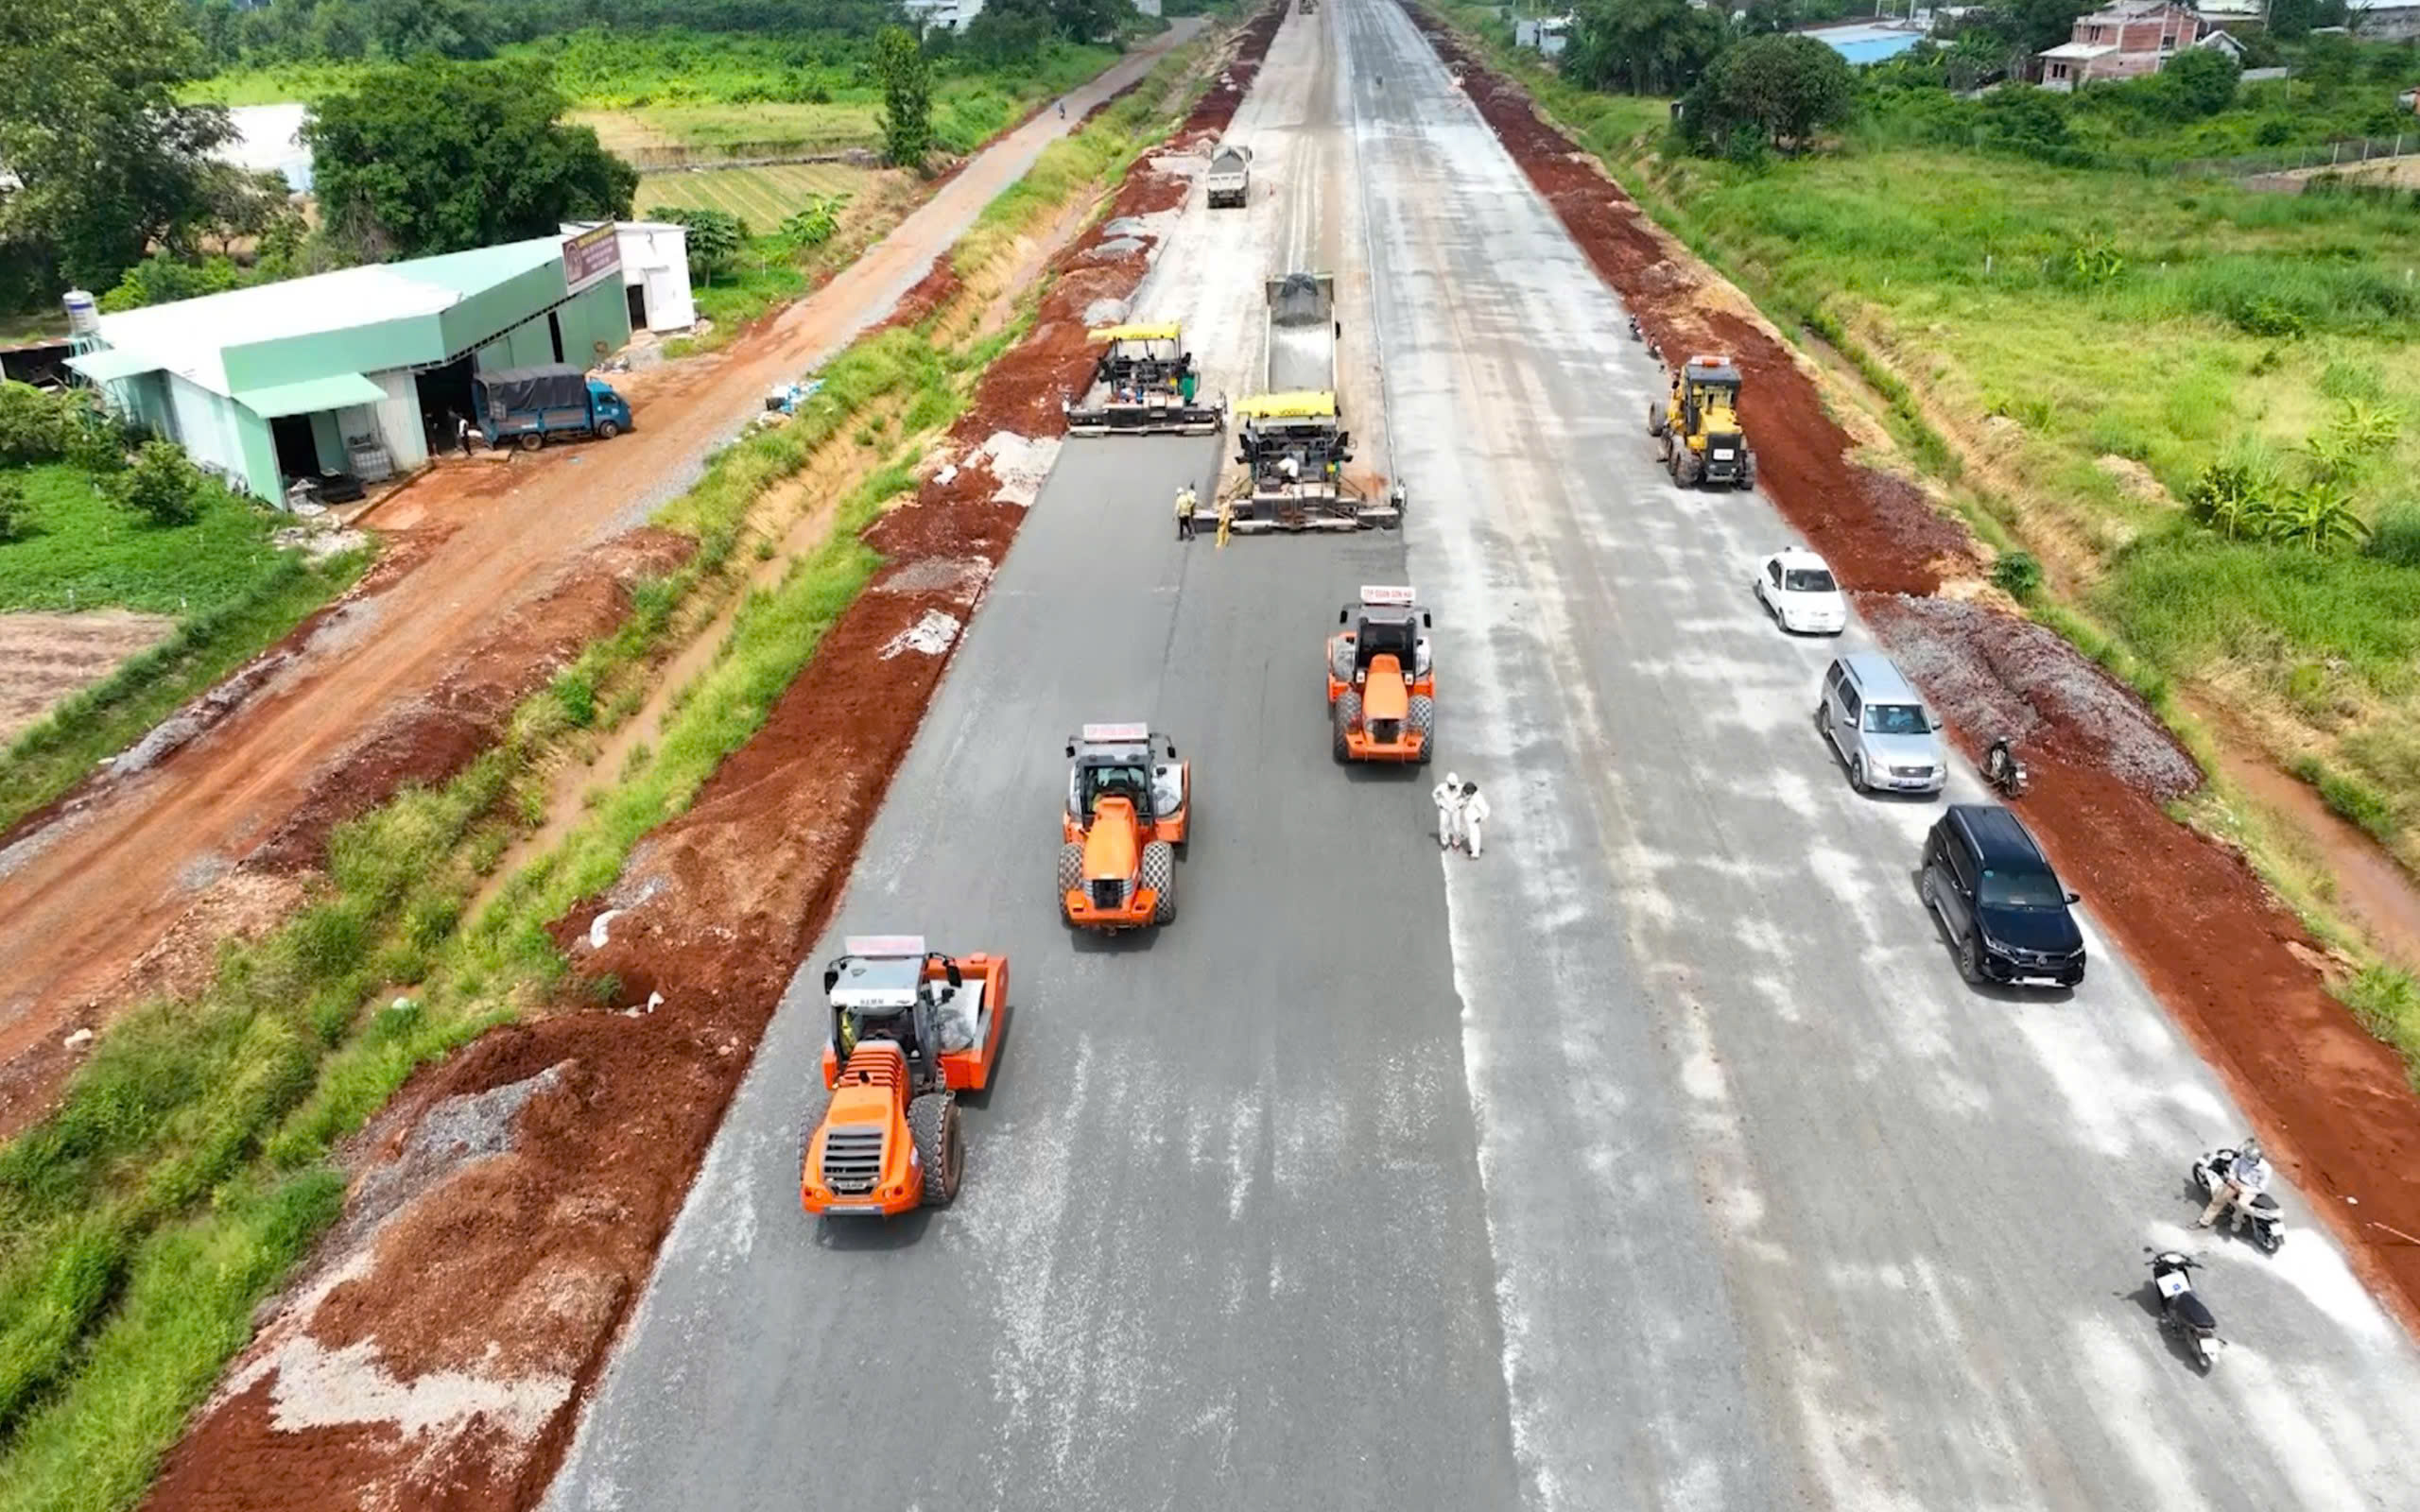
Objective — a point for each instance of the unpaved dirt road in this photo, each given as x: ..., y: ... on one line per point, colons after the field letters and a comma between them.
x: 1659, y: 1157
x: 79, y: 903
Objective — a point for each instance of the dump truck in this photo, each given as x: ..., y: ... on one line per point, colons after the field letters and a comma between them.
x: 1291, y: 440
x: 911, y: 1029
x: 1144, y: 383
x: 1126, y: 815
x: 1381, y: 679
x: 525, y: 405
x: 1697, y: 426
x: 1230, y: 176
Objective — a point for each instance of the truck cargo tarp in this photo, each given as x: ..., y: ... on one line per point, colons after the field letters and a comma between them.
x: 523, y: 391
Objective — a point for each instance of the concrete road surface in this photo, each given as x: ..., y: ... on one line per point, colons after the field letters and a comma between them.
x: 1658, y: 1158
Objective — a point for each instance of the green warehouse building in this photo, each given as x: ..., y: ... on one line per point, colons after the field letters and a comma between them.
x: 357, y: 370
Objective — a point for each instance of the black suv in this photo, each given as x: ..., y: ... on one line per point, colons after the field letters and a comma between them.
x: 1996, y: 894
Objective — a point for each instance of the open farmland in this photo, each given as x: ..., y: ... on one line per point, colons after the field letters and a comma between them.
x: 762, y: 197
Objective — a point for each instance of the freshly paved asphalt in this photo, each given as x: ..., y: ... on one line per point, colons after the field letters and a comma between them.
x: 1658, y: 1158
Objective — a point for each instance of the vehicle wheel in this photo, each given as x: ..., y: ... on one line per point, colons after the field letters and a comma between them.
x: 940, y: 1147
x: 2270, y: 1240
x: 1687, y: 468
x: 607, y: 430
x: 1423, y: 717
x: 1857, y: 774
x: 1970, y: 961
x: 1657, y: 417
x: 1071, y: 875
x: 1748, y: 469
x: 1340, y: 661
x: 1158, y: 870
x: 532, y: 440
x: 1347, y: 714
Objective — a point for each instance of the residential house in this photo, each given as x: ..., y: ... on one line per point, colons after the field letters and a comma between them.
x: 2124, y: 41
x: 2236, y: 15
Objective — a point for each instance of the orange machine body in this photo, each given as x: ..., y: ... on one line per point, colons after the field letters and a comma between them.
x: 1381, y: 684
x: 861, y: 1158
x: 1126, y: 813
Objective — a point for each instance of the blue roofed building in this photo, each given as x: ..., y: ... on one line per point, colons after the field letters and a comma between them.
x: 1868, y: 42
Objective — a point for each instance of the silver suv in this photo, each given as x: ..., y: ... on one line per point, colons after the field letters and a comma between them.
x: 1880, y: 728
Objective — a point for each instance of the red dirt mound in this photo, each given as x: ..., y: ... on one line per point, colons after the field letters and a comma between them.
x: 2233, y: 967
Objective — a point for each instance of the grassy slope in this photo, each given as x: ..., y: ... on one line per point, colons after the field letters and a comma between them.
x: 188, y: 1167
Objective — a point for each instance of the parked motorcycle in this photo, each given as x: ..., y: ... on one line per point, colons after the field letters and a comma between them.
x: 2002, y: 769
x: 2182, y: 1311
x: 2268, y: 1219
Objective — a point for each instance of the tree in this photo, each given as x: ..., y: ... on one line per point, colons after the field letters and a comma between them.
x: 163, y: 486
x: 106, y: 161
x: 1786, y: 88
x: 16, y: 515
x: 1085, y: 20
x: 409, y: 29
x: 2042, y: 24
x: 714, y: 237
x: 906, y: 78
x: 438, y: 157
x: 2201, y: 80
x: 1643, y: 46
x: 1008, y: 32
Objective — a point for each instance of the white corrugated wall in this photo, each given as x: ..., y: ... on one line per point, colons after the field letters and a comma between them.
x: 399, y: 423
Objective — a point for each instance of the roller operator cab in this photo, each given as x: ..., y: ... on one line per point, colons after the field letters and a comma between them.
x: 911, y: 1029
x: 1381, y: 679
x: 1128, y: 803
x: 1697, y: 429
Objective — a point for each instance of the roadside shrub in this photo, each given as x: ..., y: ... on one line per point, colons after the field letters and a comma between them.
x: 2396, y: 538
x: 2018, y: 575
x: 33, y: 425
x: 16, y: 516
x: 163, y: 486
x: 2230, y: 498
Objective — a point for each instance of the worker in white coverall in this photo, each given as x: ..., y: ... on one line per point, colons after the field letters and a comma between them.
x: 1475, y: 812
x: 2246, y: 1178
x: 1448, y: 795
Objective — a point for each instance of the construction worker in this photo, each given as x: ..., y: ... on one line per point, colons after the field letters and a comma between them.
x: 1226, y: 518
x: 1184, y: 512
x: 1475, y: 812
x: 1448, y: 796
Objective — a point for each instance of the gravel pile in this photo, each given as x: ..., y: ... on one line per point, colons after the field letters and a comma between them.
x: 1992, y: 674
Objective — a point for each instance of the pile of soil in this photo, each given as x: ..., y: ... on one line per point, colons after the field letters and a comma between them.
x: 2239, y: 974
x: 539, y: 1241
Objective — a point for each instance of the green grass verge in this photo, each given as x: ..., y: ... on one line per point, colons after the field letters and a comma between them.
x: 188, y: 1168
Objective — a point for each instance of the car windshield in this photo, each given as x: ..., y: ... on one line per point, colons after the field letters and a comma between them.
x: 1809, y: 580
x: 2022, y: 889
x: 1896, y: 719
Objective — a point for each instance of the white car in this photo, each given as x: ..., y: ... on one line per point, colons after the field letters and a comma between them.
x: 1799, y: 593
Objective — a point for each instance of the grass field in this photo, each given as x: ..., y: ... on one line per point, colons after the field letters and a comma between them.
x: 762, y: 197
x: 231, y: 592
x: 676, y: 91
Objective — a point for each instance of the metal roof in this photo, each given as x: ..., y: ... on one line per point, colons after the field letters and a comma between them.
x: 338, y: 391
x: 188, y: 336
x: 107, y: 365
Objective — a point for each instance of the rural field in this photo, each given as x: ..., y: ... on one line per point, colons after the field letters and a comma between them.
x: 666, y: 95
x: 762, y: 197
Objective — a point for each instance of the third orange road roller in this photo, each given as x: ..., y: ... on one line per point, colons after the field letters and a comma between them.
x: 1382, y: 682
x: 1127, y: 812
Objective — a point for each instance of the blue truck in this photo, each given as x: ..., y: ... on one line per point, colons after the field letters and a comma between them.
x: 527, y: 405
